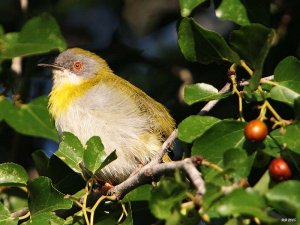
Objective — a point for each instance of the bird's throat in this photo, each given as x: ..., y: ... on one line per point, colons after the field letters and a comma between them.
x: 63, y: 95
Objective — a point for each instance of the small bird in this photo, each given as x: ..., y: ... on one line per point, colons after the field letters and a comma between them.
x: 88, y: 99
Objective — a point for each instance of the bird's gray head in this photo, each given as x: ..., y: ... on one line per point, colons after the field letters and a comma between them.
x: 79, y: 62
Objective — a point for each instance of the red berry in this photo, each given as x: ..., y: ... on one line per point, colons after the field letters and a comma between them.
x: 279, y: 170
x: 255, y: 131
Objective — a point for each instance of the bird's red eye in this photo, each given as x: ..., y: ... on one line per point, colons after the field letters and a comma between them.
x: 77, y: 65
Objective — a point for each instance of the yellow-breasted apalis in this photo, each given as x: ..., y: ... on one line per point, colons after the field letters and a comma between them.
x: 88, y: 99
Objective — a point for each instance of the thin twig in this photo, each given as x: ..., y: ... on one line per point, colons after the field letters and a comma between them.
x: 164, y: 148
x: 262, y: 80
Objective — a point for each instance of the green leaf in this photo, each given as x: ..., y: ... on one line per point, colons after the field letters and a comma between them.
x: 5, y: 218
x: 166, y: 196
x: 70, y: 151
x: 62, y: 176
x: 287, y: 76
x: 238, y: 160
x: 285, y: 197
x: 94, y: 154
x: 187, y: 6
x: 233, y: 10
x: 244, y: 12
x: 12, y: 174
x: 287, y: 70
x: 5, y: 106
x: 142, y: 193
x: 220, y: 137
x: 184, y: 217
x: 213, y: 193
x: 252, y: 43
x: 43, y: 197
x: 194, y: 126
x: 202, y: 92
x: 48, y: 218
x: 262, y: 186
x: 32, y: 119
x: 246, y: 202
x: 286, y: 91
x: 199, y: 44
x: 39, y: 35
x: 111, y: 157
x: 289, y: 139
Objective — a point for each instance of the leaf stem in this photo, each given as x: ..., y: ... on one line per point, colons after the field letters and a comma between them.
x: 124, y: 213
x: 84, y: 206
x: 246, y: 67
x: 232, y: 71
x: 273, y: 111
x: 212, y: 165
x: 93, y: 209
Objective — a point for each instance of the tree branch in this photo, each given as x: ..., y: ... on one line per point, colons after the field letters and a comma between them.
x: 152, y: 172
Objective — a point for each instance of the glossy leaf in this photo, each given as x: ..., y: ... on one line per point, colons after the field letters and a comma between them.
x: 194, y: 126
x: 70, y: 151
x: 108, y: 159
x: 39, y: 35
x: 287, y: 70
x: 238, y: 160
x: 201, y: 45
x: 233, y: 10
x: 219, y: 138
x: 142, y: 193
x: 63, y: 177
x: 202, y: 92
x: 244, y: 12
x: 31, y: 119
x: 287, y: 75
x: 252, y: 43
x: 43, y: 197
x: 94, y: 154
x: 289, y: 139
x: 12, y: 174
x: 246, y: 202
x: 286, y: 92
x: 187, y: 6
x: 285, y: 197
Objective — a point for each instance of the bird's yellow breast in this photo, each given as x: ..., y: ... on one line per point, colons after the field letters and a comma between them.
x: 62, y: 96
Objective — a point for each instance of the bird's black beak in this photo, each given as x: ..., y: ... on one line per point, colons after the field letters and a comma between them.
x: 51, y: 66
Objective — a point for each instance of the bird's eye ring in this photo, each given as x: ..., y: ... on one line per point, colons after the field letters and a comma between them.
x: 77, y: 65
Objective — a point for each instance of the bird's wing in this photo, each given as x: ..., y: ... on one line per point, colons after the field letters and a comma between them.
x: 159, y: 117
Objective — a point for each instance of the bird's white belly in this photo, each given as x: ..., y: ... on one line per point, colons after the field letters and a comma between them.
x: 125, y: 131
